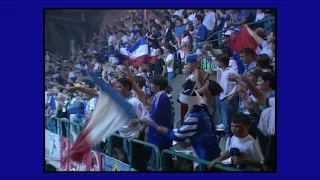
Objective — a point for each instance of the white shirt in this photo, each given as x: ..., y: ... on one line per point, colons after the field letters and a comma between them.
x: 267, y: 122
x: 248, y: 148
x: 141, y: 112
x: 111, y: 39
x: 209, y: 20
x: 222, y: 78
x: 178, y: 12
x: 169, y: 60
x: 192, y: 17
x: 124, y: 39
x: 266, y: 49
x: 96, y: 66
x: 91, y: 105
x: 233, y: 64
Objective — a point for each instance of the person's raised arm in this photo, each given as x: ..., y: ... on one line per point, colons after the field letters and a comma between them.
x: 200, y: 82
x: 140, y: 94
x: 254, y: 35
x: 88, y: 91
x: 255, y: 91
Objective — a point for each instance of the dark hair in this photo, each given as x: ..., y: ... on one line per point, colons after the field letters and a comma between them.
x: 185, y: 14
x: 175, y: 16
x: 241, y: 118
x: 263, y: 61
x: 267, y: 76
x: 169, y: 47
x: 125, y: 82
x: 159, y: 81
x: 140, y: 80
x: 187, y: 33
x: 199, y: 18
x: 88, y: 83
x: 227, y: 51
x: 161, y: 51
x: 247, y: 51
x: 178, y: 19
x: 224, y: 58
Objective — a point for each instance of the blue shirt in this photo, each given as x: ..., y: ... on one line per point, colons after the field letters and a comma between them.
x: 202, y: 33
x: 161, y: 114
x: 198, y: 128
x: 178, y: 31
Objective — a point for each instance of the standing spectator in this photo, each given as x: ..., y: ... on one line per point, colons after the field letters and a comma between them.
x: 133, y: 128
x: 161, y: 114
x: 160, y: 68
x: 168, y: 51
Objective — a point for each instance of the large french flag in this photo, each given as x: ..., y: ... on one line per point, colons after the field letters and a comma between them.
x: 111, y: 112
x: 139, y: 53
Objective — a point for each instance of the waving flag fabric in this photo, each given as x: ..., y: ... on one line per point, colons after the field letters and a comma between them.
x: 111, y: 112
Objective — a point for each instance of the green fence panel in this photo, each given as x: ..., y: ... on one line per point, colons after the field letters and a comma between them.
x: 110, y: 147
x: 202, y: 163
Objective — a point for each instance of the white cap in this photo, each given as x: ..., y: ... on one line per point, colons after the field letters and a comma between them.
x: 228, y: 33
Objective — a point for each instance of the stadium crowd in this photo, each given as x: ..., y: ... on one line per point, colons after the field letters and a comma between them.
x: 240, y: 87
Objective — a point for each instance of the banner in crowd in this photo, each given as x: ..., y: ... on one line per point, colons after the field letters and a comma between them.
x: 91, y: 161
x: 52, y: 148
x: 112, y: 164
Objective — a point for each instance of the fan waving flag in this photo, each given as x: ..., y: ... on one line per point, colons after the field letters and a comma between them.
x: 139, y: 53
x: 243, y: 40
x: 111, y: 112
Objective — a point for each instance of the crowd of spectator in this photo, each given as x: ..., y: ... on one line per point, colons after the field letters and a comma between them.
x: 240, y: 89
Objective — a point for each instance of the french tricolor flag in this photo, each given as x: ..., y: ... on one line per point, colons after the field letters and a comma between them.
x: 111, y: 112
x: 138, y: 53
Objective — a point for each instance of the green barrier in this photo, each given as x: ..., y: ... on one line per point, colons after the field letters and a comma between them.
x: 68, y: 125
x: 203, y: 163
x: 110, y: 147
x: 157, y: 151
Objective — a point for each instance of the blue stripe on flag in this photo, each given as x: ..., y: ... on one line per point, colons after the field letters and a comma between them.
x: 142, y: 41
x: 122, y: 103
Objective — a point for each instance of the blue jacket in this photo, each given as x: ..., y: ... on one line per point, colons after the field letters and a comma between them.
x: 199, y: 129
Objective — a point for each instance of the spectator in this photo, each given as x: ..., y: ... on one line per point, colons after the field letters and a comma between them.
x: 249, y: 154
x: 201, y: 32
x: 263, y: 62
x: 196, y: 126
x: 209, y: 21
x: 160, y: 68
x: 266, y: 45
x: 247, y: 56
x: 227, y: 100
x: 161, y: 114
x: 133, y: 128
x: 169, y: 61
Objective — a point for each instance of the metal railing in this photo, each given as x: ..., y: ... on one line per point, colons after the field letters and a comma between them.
x: 131, y: 149
x: 58, y: 128
x: 202, y: 163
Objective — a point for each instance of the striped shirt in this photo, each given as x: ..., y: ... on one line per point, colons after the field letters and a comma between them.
x: 172, y: 106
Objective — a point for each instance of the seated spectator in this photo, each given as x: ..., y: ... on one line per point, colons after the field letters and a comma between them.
x: 243, y: 150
